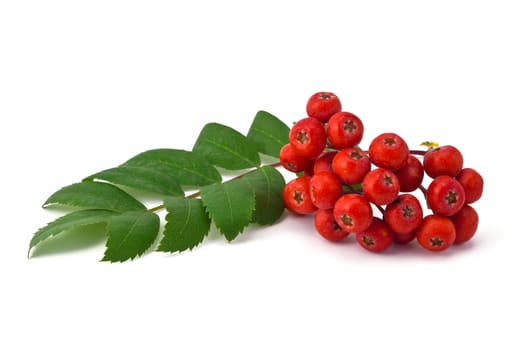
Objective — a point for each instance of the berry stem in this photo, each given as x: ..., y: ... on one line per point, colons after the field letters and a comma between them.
x: 161, y: 207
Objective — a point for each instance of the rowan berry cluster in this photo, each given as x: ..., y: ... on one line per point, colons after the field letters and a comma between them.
x: 341, y: 184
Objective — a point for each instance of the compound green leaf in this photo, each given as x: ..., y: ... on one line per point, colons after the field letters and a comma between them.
x: 142, y: 178
x: 268, y: 133
x: 187, y: 225
x: 230, y: 206
x: 188, y: 168
x: 226, y: 147
x: 130, y: 234
x: 95, y: 195
x: 267, y: 184
x: 70, y: 221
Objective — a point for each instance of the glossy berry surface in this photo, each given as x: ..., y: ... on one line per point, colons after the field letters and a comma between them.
x: 324, y: 162
x: 327, y: 227
x: 325, y: 189
x: 377, y: 237
x: 445, y: 195
x: 344, y: 130
x: 381, y: 186
x: 353, y: 212
x: 322, y: 105
x: 351, y: 165
x: 410, y: 175
x: 466, y: 223
x: 436, y: 233
x: 404, y: 214
x: 388, y: 151
x: 444, y: 160
x: 472, y: 183
x: 291, y: 161
x: 308, y: 138
x: 296, y: 196
x: 404, y: 238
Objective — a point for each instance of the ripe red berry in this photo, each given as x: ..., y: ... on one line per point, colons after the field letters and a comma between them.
x: 296, y: 196
x: 291, y: 160
x: 404, y: 238
x: 344, y: 130
x: 466, y: 223
x: 388, y: 151
x: 404, y: 214
x: 325, y: 189
x: 308, y: 138
x: 410, y: 175
x: 351, y: 165
x: 353, y: 212
x: 381, y: 186
x: 472, y: 182
x: 322, y: 105
x: 445, y: 195
x: 327, y: 227
x: 377, y: 237
x: 324, y: 162
x: 444, y: 160
x: 436, y: 233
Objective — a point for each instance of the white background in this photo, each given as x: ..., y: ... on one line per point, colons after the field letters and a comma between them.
x: 86, y: 85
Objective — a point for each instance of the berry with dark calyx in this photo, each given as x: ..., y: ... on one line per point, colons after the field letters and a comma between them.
x: 472, y: 183
x: 436, y: 233
x: 404, y: 238
x: 377, y: 237
x: 325, y: 189
x: 322, y: 105
x: 410, y: 175
x: 381, y: 186
x: 292, y: 161
x: 353, y: 212
x: 296, y: 196
x: 351, y: 165
x: 444, y: 160
x: 308, y: 138
x: 388, y: 150
x: 404, y: 214
x: 445, y: 195
x: 324, y: 162
x: 344, y: 130
x: 327, y: 227
x: 466, y: 223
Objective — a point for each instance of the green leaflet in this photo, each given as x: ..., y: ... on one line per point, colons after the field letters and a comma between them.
x: 267, y: 185
x: 188, y: 168
x: 268, y: 134
x: 230, y: 206
x: 68, y: 222
x: 130, y: 234
x: 226, y: 147
x: 187, y: 225
x: 94, y: 195
x: 142, y: 178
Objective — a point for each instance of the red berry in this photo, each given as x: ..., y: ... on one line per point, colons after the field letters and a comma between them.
x: 322, y: 105
x: 351, y: 165
x: 444, y: 160
x: 410, y: 175
x: 472, y: 183
x: 353, y: 212
x: 445, y: 195
x: 327, y: 227
x: 466, y: 223
x: 404, y: 238
x: 324, y: 162
x: 325, y: 189
x: 308, y: 138
x: 388, y: 151
x: 296, y: 196
x: 404, y: 214
x: 291, y: 160
x: 436, y: 233
x: 377, y: 237
x: 380, y: 186
x: 344, y: 130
